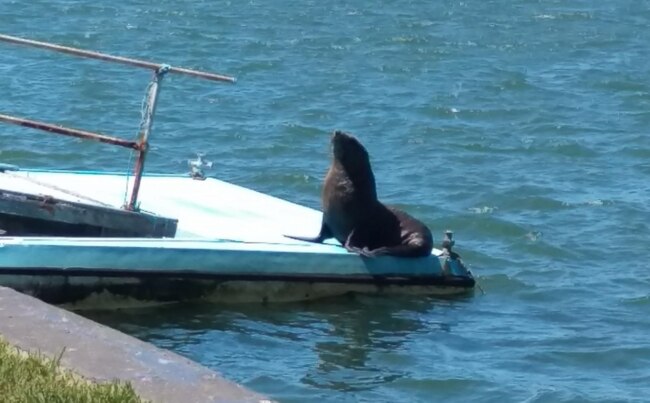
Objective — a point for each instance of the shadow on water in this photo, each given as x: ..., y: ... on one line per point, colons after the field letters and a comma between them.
x: 341, y: 343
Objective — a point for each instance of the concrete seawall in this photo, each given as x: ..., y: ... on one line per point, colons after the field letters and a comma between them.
x: 102, y: 354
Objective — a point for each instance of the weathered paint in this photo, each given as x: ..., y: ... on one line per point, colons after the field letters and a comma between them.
x: 225, y: 234
x: 24, y: 214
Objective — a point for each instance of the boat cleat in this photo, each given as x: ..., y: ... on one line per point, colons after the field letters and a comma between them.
x: 198, y: 165
x: 453, y: 265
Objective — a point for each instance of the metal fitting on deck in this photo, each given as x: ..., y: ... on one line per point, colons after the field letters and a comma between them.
x: 448, y: 242
x: 197, y: 166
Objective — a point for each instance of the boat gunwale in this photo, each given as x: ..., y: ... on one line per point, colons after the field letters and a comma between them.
x: 383, y: 279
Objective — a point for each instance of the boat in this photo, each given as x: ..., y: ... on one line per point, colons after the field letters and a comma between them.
x: 80, y: 238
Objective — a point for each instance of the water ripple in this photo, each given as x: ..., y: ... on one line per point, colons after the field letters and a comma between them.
x: 522, y: 126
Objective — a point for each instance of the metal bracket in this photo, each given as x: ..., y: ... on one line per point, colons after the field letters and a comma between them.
x: 448, y: 242
x: 197, y: 166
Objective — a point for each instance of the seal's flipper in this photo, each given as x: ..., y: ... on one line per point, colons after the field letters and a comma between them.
x: 403, y: 250
x: 324, y: 234
x: 399, y: 251
x: 415, y: 247
x: 348, y: 243
x: 365, y: 252
x: 377, y: 252
x: 350, y: 246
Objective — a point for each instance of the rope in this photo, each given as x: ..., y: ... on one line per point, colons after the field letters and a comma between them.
x: 59, y: 189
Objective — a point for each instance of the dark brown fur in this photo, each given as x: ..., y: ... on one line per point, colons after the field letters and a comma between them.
x: 353, y: 215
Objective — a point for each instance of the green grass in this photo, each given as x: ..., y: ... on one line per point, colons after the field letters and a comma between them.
x: 34, y: 378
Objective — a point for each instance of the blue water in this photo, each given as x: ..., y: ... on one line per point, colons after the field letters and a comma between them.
x: 522, y: 125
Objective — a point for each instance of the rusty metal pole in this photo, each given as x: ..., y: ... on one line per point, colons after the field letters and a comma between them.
x: 67, y: 131
x: 142, y: 144
x: 143, y: 141
x: 115, y: 59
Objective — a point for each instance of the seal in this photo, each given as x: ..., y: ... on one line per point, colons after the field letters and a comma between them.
x: 355, y: 217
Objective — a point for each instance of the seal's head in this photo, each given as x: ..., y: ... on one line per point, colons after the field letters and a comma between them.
x: 352, y: 157
x: 348, y: 150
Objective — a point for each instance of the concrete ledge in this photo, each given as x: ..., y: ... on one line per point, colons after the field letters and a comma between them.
x: 103, y: 354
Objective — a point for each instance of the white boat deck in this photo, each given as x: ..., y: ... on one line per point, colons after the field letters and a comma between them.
x: 225, y: 232
x: 205, y: 209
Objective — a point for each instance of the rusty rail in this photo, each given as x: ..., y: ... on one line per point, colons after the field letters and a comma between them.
x: 115, y: 59
x: 146, y: 124
x: 66, y: 131
x: 142, y: 145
